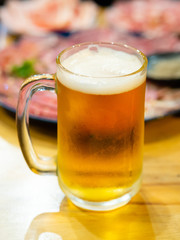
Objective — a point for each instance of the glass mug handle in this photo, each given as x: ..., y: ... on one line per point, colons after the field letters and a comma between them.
x: 30, y: 86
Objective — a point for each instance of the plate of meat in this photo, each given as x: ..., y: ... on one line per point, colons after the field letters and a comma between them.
x: 38, y: 17
x: 151, y: 18
x: 35, y: 55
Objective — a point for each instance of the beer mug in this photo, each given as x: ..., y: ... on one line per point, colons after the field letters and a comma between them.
x: 100, y: 90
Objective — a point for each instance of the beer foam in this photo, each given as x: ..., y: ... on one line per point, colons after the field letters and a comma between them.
x: 100, y: 70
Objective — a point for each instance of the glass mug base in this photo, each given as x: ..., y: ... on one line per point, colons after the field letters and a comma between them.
x: 103, y: 205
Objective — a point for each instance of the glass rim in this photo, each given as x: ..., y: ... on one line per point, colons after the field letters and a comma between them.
x: 59, y: 63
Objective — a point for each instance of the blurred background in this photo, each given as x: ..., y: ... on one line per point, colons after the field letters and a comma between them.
x: 33, y: 32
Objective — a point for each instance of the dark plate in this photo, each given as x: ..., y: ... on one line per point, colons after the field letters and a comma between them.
x: 52, y: 121
x: 162, y: 68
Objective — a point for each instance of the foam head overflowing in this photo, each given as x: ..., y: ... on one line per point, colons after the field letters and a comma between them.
x: 100, y: 70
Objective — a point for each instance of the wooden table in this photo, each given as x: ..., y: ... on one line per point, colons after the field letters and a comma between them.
x: 33, y: 207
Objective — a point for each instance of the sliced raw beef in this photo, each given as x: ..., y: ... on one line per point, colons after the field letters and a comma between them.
x: 152, y: 18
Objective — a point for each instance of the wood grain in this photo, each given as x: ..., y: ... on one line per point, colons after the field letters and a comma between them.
x: 34, y: 207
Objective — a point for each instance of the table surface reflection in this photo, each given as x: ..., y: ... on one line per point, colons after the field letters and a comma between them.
x: 33, y: 207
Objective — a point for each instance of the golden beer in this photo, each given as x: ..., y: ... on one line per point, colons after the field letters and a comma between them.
x: 100, y: 147
x: 101, y: 92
